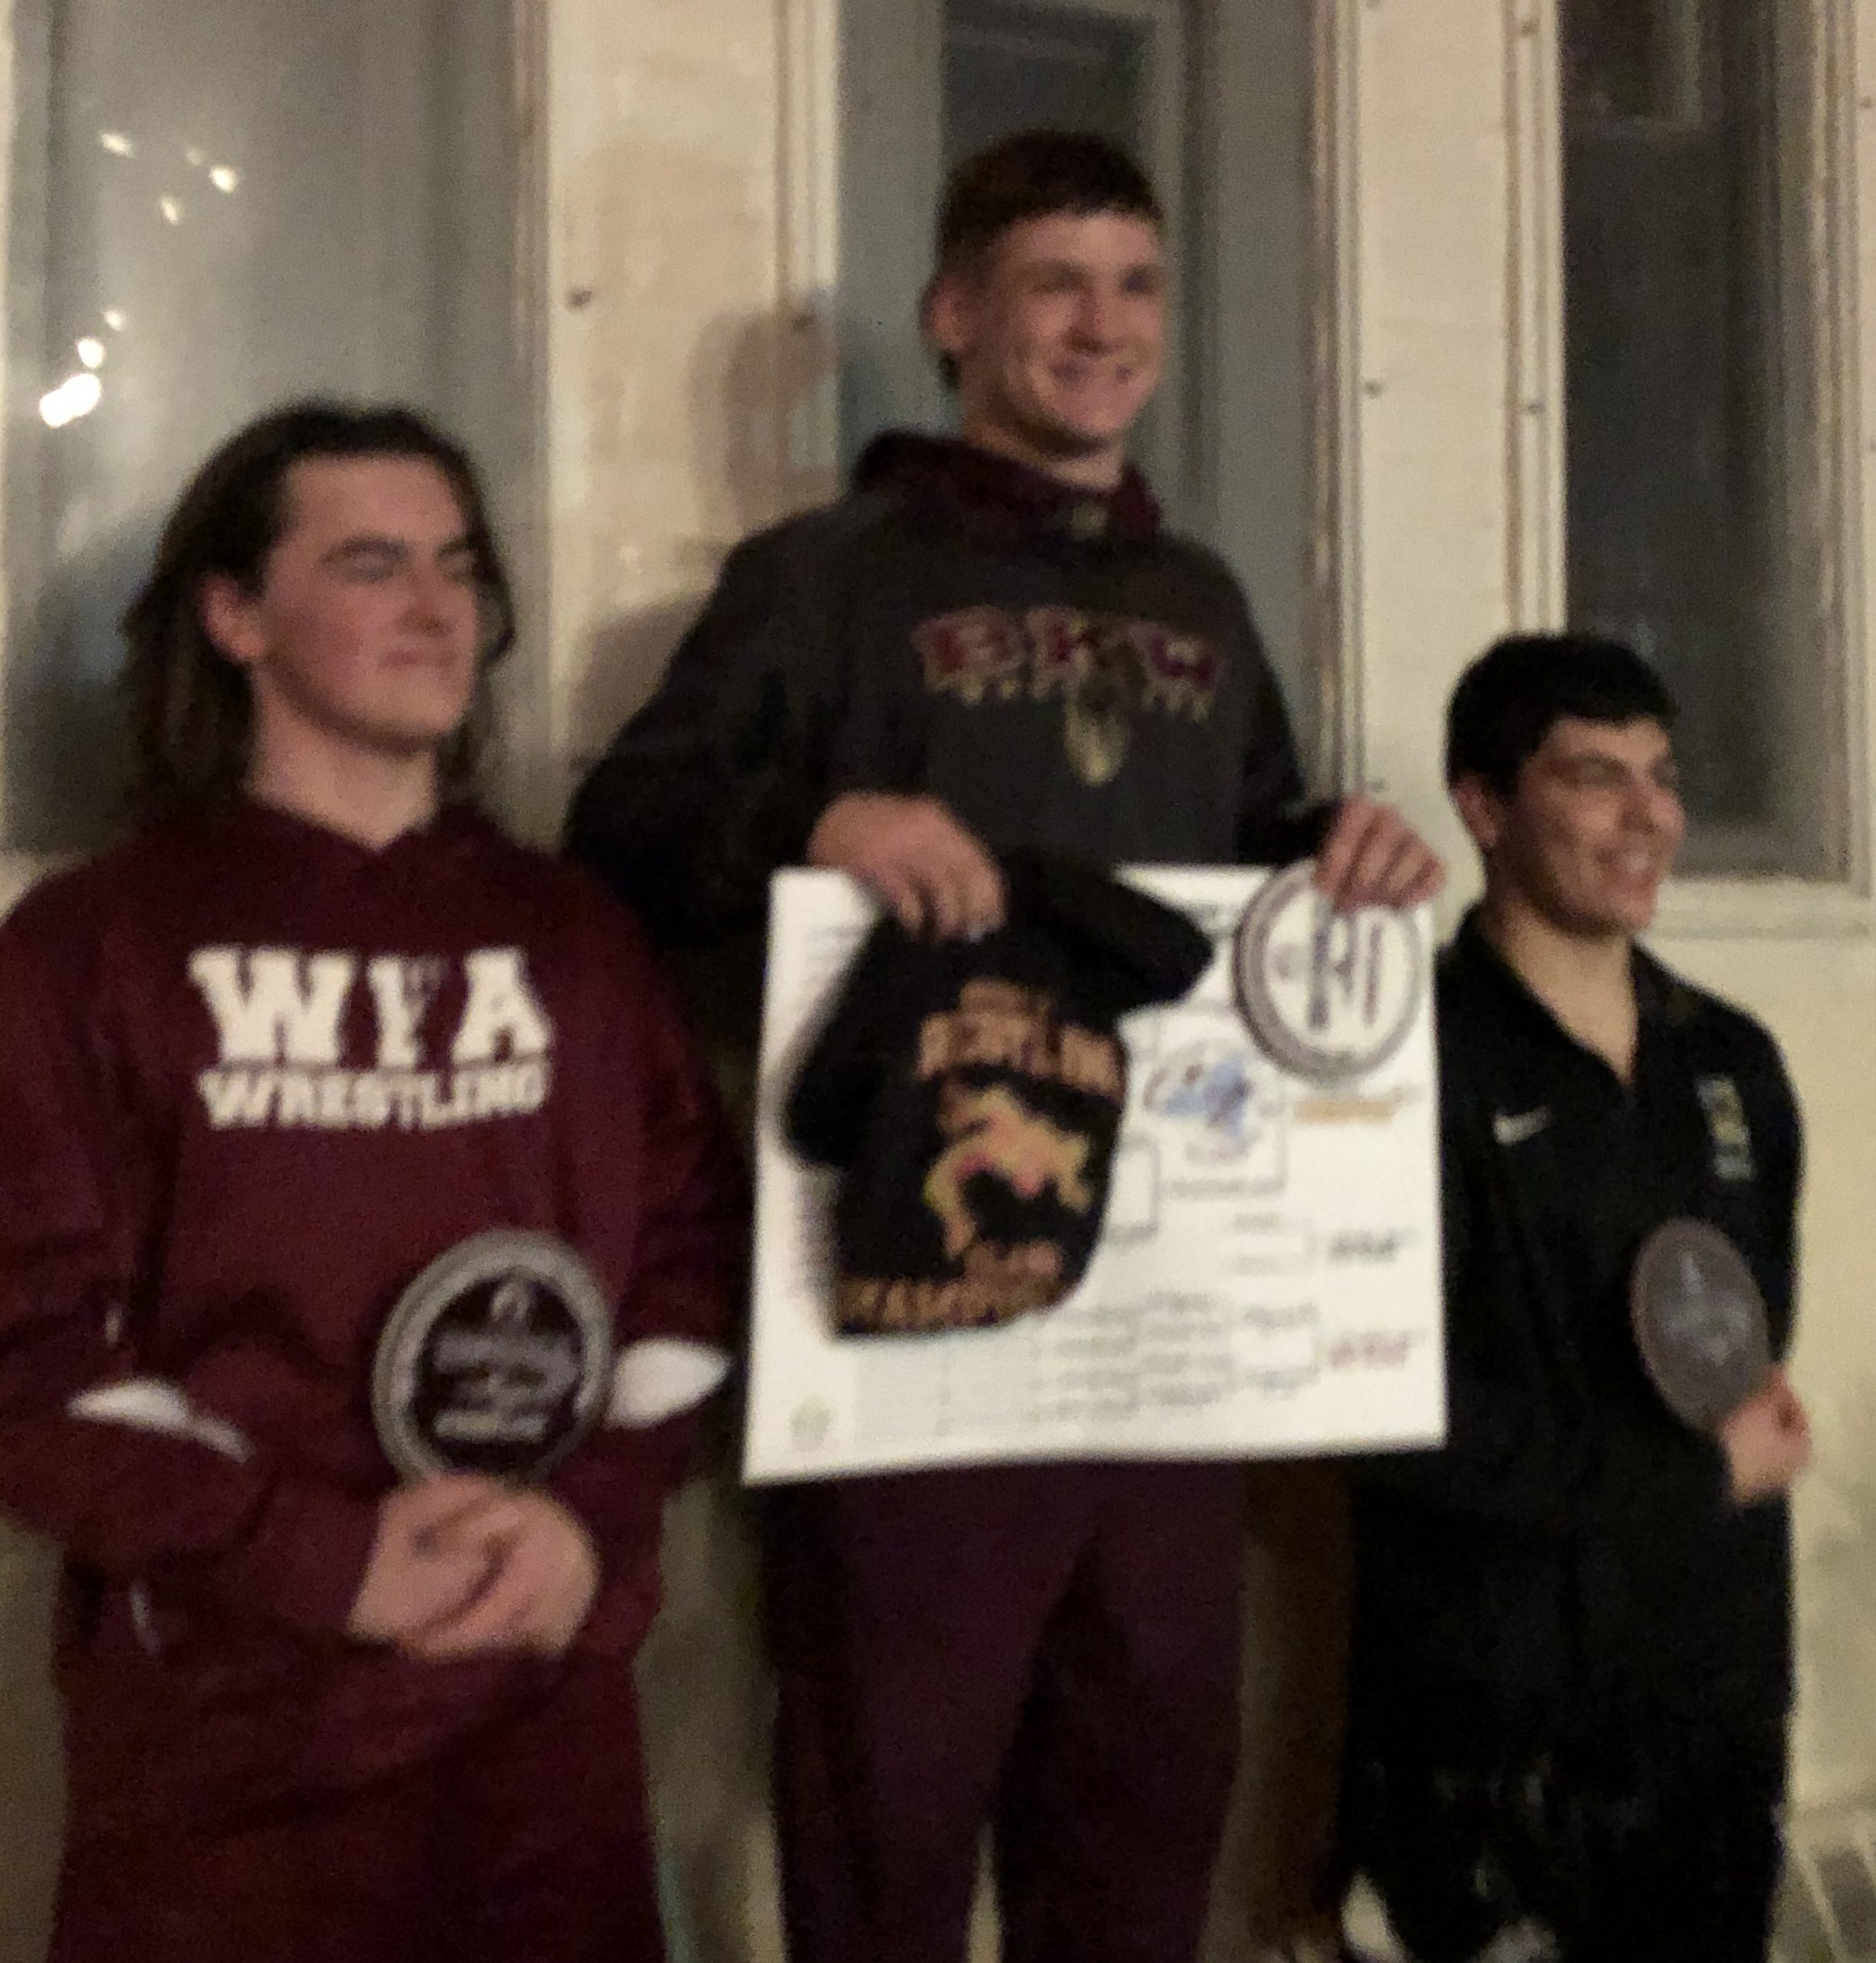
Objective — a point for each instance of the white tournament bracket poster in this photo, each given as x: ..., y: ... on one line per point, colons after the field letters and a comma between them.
x: 1268, y: 1281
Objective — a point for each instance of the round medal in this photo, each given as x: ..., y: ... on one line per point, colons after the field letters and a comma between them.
x: 1700, y: 1322
x: 497, y: 1360
x: 1329, y: 996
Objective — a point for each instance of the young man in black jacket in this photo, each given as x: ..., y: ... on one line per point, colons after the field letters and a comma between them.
x: 991, y: 644
x: 1572, y: 1655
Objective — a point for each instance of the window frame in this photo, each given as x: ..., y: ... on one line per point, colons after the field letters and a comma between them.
x: 510, y: 449
x: 1836, y: 39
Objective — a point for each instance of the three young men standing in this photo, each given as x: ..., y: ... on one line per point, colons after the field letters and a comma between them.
x: 317, y: 1023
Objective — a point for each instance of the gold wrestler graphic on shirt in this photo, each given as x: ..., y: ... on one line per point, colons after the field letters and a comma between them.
x: 993, y: 1132
x: 996, y: 1153
x: 1330, y: 996
x: 497, y: 1360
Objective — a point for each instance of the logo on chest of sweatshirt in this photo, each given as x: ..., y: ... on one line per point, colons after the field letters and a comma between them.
x: 284, y: 1020
x: 1514, y: 1127
x: 1726, y: 1123
x: 1105, y: 671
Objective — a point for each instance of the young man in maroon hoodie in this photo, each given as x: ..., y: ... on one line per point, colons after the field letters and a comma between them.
x: 313, y: 1024
x: 991, y: 644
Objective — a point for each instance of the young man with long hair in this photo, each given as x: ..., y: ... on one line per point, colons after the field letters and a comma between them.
x: 313, y: 1024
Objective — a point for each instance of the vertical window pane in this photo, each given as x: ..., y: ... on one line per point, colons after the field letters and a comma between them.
x: 219, y: 205
x: 1010, y: 67
x: 1693, y: 473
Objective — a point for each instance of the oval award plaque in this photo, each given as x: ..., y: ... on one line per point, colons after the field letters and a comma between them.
x: 496, y: 1360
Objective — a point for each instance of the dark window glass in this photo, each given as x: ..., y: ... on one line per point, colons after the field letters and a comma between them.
x: 218, y: 205
x: 1693, y: 492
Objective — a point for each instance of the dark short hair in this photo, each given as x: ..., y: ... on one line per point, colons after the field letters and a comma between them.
x: 1036, y: 173
x: 189, y: 708
x: 1509, y: 699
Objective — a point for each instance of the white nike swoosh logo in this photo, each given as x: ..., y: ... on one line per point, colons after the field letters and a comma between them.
x: 1513, y: 1128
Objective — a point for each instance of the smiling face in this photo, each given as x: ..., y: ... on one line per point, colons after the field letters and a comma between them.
x: 1059, y: 337
x: 364, y: 634
x: 1592, y: 830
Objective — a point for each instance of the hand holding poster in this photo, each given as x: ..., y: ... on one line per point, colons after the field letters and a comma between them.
x: 1268, y: 1277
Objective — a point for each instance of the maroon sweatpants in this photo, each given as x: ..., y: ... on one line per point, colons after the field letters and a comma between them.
x: 524, y: 1842
x: 1053, y: 1651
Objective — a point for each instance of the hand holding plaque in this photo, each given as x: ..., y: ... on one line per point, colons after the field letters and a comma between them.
x: 1767, y: 1440
x: 431, y: 1559
x: 1328, y: 995
x: 542, y: 1577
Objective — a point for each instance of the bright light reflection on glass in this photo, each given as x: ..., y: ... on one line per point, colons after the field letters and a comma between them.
x: 77, y: 395
x: 117, y: 142
x: 116, y: 318
x: 92, y: 352
x: 194, y: 159
x: 171, y: 209
x: 224, y: 179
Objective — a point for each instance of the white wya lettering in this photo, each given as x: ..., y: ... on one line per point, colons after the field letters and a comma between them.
x: 502, y: 1010
x: 403, y: 991
x: 287, y: 1010
x: 280, y: 1019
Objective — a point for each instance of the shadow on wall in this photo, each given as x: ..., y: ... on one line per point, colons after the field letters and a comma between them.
x: 1834, y: 1520
x: 754, y: 382
x: 65, y: 752
x: 760, y: 388
x: 1279, y: 1835
x: 707, y: 1699
x: 32, y: 1796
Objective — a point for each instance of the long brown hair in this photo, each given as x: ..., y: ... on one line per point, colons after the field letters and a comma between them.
x: 189, y: 711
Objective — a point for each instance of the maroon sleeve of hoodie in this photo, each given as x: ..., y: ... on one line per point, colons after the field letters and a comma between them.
x: 682, y: 1179
x: 115, y: 1465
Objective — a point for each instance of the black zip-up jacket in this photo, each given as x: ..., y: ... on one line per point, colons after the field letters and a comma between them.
x: 1060, y: 671
x: 1572, y: 1565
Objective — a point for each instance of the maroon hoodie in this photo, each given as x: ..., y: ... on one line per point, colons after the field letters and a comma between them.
x: 255, y: 1077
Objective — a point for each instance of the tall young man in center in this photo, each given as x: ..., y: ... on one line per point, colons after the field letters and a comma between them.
x: 990, y: 645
